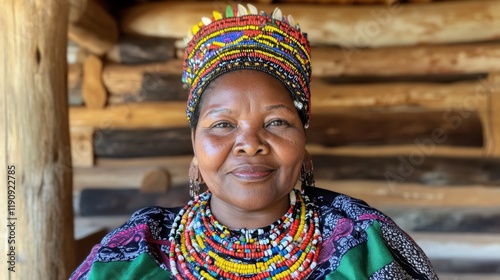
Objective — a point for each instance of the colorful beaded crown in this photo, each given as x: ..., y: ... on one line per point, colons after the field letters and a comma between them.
x: 247, y: 39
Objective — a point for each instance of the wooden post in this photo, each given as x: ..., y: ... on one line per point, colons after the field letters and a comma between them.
x: 35, y: 142
x: 490, y: 91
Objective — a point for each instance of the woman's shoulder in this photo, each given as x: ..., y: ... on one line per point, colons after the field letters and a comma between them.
x: 139, y: 240
x: 333, y: 203
x: 145, y: 225
x: 355, y: 233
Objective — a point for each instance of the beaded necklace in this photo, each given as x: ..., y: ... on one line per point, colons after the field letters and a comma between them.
x: 202, y: 248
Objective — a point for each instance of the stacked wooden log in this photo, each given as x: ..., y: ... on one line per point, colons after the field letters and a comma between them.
x: 406, y: 106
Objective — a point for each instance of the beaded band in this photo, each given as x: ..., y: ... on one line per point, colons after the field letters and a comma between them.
x: 247, y: 40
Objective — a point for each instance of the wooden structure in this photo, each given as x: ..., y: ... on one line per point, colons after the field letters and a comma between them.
x: 405, y: 108
x: 37, y: 201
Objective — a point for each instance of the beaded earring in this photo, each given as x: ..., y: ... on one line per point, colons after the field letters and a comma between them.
x: 306, y: 173
x: 195, y: 178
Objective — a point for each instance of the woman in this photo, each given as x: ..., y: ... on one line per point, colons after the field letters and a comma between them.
x: 249, y: 109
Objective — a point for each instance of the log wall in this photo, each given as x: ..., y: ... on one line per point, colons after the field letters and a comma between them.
x: 404, y: 96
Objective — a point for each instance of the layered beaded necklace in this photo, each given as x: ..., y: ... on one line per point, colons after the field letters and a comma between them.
x: 202, y: 248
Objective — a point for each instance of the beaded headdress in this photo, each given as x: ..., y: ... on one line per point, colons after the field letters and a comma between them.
x: 247, y: 39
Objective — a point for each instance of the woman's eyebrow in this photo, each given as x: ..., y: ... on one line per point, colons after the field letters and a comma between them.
x: 217, y: 111
x: 278, y: 106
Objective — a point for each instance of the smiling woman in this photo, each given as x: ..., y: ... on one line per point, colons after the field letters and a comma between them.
x: 249, y: 108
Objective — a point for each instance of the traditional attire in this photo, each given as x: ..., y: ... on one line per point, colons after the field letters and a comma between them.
x: 358, y: 242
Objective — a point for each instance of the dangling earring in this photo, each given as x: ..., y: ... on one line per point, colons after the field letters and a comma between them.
x: 306, y: 173
x: 194, y: 178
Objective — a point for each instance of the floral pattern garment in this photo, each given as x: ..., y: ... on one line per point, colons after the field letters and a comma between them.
x: 359, y: 242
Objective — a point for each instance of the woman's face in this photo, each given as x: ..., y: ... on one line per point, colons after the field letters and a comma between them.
x: 249, y: 141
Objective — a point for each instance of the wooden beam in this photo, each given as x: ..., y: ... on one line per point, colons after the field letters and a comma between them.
x: 122, y: 143
x: 397, y: 150
x: 491, y: 116
x: 144, y: 81
x: 347, y: 2
x: 479, y: 246
x: 414, y: 60
x: 128, y: 173
x: 82, y: 146
x: 136, y: 49
x: 346, y: 26
x: 381, y: 194
x: 394, y: 127
x: 36, y: 157
x: 94, y: 92
x: 465, y: 95
x: 92, y: 27
x: 131, y: 115
x: 418, y: 167
x: 94, y: 202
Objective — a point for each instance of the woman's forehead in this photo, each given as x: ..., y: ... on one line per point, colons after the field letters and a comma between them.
x: 245, y: 86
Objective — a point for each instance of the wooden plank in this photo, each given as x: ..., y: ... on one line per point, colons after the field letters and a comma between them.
x: 381, y: 194
x: 394, y: 127
x: 414, y: 60
x: 93, y: 90
x: 82, y: 146
x: 460, y: 246
x: 347, y: 26
x: 415, y: 168
x: 144, y: 142
x: 91, y: 26
x: 128, y: 173
x: 491, y: 116
x: 136, y: 49
x: 451, y: 220
x: 145, y: 79
x: 131, y: 115
x: 95, y: 202
x: 37, y: 218
x: 466, y: 95
x: 345, y: 2
x: 397, y: 150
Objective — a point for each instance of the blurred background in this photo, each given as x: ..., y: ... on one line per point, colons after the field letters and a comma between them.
x: 405, y: 114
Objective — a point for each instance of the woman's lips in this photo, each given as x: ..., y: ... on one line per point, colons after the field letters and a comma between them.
x: 251, y: 172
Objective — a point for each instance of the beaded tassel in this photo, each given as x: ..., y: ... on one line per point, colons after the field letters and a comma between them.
x: 203, y: 248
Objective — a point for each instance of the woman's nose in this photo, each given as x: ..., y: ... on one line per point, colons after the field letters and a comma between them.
x: 250, y: 141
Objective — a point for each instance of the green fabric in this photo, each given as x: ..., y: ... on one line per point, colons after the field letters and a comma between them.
x: 365, y: 259
x: 143, y: 267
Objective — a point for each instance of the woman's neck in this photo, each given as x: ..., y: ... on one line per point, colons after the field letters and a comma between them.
x: 237, y: 218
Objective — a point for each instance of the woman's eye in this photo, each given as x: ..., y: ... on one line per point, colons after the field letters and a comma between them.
x: 277, y: 123
x: 222, y: 125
